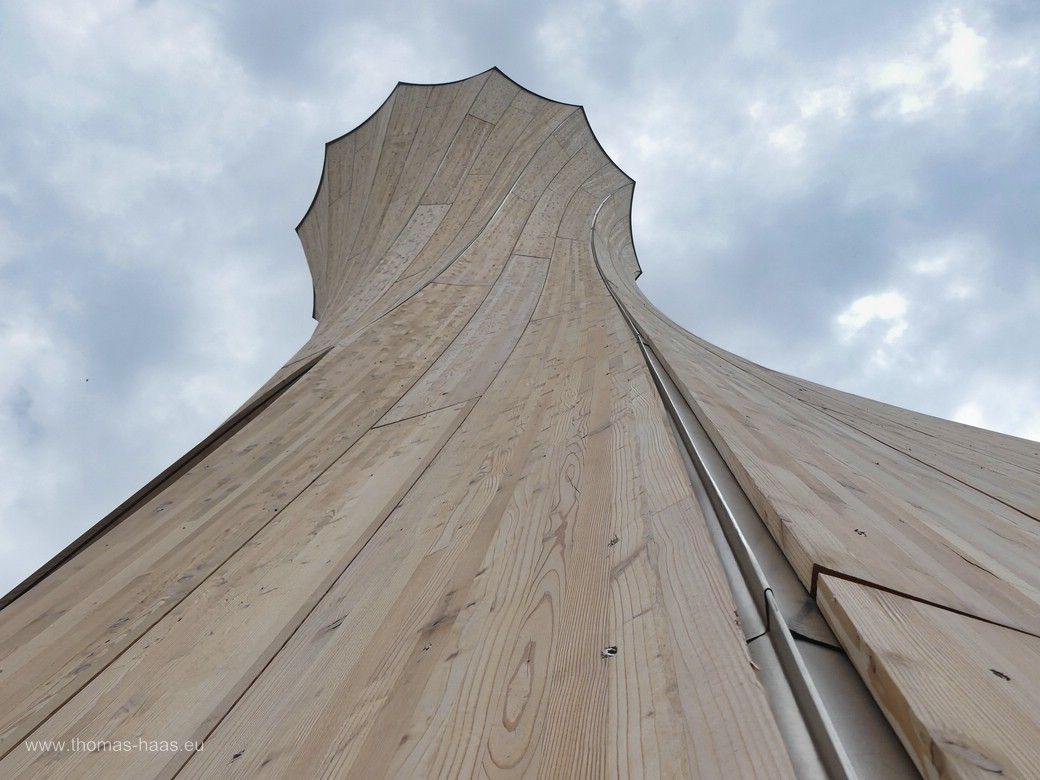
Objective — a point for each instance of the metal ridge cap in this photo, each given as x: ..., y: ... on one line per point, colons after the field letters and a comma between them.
x: 824, y: 735
x: 830, y: 751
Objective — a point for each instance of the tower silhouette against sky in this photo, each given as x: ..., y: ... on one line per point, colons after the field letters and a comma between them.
x: 501, y: 516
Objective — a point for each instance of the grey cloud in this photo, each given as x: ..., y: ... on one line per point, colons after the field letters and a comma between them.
x: 156, y: 156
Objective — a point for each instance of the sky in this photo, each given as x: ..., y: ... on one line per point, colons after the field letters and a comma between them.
x: 847, y: 192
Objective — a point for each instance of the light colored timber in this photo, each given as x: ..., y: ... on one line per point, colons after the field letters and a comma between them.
x: 218, y: 639
x: 482, y: 651
x: 411, y: 560
x: 963, y: 693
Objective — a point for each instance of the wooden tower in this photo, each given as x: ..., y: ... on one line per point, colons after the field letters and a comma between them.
x: 500, y: 516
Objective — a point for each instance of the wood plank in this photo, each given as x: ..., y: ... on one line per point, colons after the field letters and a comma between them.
x: 313, y: 233
x: 53, y: 642
x: 963, y: 695
x: 484, y: 259
x: 1018, y: 452
x: 504, y: 137
x: 401, y: 133
x: 469, y: 365
x: 347, y: 212
x: 439, y: 125
x: 252, y: 604
x: 465, y: 146
x: 1015, y: 484
x: 415, y: 234
x: 494, y: 98
x: 339, y: 165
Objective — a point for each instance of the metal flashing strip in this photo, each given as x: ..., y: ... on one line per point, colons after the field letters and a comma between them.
x: 829, y: 721
x: 767, y: 567
x: 813, y: 743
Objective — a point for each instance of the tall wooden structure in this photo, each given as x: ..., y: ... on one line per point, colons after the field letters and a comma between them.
x: 501, y: 516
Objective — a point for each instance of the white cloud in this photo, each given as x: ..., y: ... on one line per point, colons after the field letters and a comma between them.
x: 789, y: 139
x: 953, y: 267
x: 997, y: 404
x: 935, y: 265
x: 970, y: 413
x: 900, y: 73
x: 964, y: 55
x: 833, y: 100
x: 565, y: 35
x: 948, y: 59
x: 887, y: 307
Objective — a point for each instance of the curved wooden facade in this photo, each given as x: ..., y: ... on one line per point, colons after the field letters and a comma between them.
x: 458, y: 532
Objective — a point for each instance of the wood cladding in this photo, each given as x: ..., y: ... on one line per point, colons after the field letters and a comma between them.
x: 407, y: 555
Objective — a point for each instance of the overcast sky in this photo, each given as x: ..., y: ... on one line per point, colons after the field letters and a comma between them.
x: 847, y: 192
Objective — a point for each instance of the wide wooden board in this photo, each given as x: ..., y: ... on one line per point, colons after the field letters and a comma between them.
x: 963, y: 695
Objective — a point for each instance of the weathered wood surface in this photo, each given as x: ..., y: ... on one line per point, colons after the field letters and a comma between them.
x: 410, y: 562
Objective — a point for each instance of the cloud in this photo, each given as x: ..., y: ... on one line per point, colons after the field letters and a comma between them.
x: 1018, y: 408
x: 142, y: 299
x: 887, y: 307
x: 964, y: 54
x: 846, y: 194
x: 948, y: 58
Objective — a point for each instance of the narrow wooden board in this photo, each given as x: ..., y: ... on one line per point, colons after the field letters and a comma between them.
x: 495, y: 97
x: 467, y: 367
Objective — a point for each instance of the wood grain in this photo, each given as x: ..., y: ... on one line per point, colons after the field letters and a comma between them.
x: 962, y: 694
x: 218, y: 639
